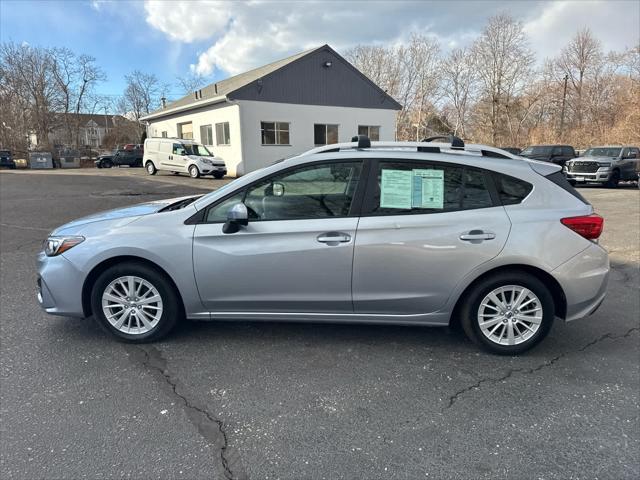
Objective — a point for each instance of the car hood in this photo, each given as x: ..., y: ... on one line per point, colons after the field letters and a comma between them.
x: 118, y: 216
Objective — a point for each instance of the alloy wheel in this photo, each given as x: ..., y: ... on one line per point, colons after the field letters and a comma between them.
x: 510, y: 315
x: 132, y: 305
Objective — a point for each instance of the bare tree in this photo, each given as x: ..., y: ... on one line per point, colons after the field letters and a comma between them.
x: 190, y: 83
x: 459, y: 82
x: 504, y: 62
x: 141, y: 96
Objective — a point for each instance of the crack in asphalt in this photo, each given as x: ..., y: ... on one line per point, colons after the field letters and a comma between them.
x: 211, y: 428
x: 453, y: 398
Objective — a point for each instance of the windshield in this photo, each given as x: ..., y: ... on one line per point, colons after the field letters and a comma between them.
x: 602, y: 152
x: 542, y: 150
x: 196, y: 149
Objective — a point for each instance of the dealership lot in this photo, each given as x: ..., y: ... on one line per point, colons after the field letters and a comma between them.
x: 278, y: 400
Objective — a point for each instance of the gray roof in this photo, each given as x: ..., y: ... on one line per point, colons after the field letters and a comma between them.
x: 237, y: 83
x: 228, y: 85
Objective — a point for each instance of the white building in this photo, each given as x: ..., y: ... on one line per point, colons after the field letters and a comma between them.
x: 280, y: 110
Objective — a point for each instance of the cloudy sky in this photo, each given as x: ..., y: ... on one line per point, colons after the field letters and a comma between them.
x: 218, y: 38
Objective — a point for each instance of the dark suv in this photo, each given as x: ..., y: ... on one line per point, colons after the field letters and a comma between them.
x: 558, y: 154
x: 6, y: 159
x: 131, y: 158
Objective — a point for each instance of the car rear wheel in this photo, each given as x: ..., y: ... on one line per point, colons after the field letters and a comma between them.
x: 151, y: 168
x: 135, y: 302
x: 508, y: 313
x: 194, y: 172
x: 614, y: 179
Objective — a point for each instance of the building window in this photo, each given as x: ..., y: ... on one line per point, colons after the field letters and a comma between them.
x: 222, y: 134
x: 325, y: 134
x: 371, y: 131
x: 275, y: 133
x: 185, y: 130
x: 164, y: 134
x: 206, y: 135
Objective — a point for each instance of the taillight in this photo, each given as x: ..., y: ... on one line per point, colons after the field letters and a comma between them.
x: 588, y: 226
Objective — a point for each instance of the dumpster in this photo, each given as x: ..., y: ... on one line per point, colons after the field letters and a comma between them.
x: 69, y: 162
x: 39, y: 160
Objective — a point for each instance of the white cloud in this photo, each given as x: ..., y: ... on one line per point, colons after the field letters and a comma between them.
x: 615, y: 23
x: 244, y: 35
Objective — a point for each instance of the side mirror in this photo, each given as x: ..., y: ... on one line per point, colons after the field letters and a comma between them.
x: 237, y: 216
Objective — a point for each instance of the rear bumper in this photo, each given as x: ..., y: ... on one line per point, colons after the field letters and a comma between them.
x: 584, y: 280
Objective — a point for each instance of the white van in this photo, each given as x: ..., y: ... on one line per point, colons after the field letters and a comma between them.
x: 181, y: 156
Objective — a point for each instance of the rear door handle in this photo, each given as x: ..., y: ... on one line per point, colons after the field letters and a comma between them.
x: 333, y: 238
x: 477, y: 235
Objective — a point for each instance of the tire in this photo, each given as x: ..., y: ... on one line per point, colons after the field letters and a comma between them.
x: 99, y: 165
x: 478, y: 302
x: 218, y: 176
x: 614, y: 179
x: 151, y: 168
x: 145, y: 325
x: 107, y: 164
x: 194, y: 172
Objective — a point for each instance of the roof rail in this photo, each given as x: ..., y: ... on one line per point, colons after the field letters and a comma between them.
x: 456, y: 142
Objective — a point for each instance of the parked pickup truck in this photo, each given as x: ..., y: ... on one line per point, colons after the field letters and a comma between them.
x: 558, y: 154
x: 131, y: 158
x: 607, y: 165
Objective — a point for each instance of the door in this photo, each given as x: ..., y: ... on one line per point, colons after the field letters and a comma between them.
x: 629, y: 163
x: 164, y: 155
x: 296, y: 253
x: 424, y: 227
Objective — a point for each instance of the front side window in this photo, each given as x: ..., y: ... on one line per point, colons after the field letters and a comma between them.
x: 198, y: 150
x: 316, y: 191
x: 423, y: 187
x: 206, y: 135
x: 222, y: 134
x: 274, y: 133
x: 325, y: 134
x: 218, y: 212
x: 371, y: 131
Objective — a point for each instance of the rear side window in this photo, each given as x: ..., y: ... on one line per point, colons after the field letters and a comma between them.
x: 511, y: 190
x: 421, y: 187
x: 559, y: 179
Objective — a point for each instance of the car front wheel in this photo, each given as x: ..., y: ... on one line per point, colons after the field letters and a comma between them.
x: 614, y: 179
x: 194, y: 172
x: 508, y: 313
x: 135, y: 302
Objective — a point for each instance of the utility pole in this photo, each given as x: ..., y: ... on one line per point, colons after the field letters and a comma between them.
x: 564, y: 102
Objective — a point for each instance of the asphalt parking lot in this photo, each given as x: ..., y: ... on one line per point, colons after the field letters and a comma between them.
x: 298, y: 401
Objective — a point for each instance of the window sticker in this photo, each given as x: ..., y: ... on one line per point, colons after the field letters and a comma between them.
x: 395, y: 189
x: 428, y: 188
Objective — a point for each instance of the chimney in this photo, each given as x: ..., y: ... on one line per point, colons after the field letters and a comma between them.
x: 164, y: 102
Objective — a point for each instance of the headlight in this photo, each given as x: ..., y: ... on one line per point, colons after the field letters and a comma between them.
x: 56, y: 245
x: 207, y: 161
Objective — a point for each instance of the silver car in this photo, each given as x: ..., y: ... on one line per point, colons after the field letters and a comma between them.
x: 605, y: 165
x: 397, y: 233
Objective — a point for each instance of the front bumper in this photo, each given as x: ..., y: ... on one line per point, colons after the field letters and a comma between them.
x: 584, y: 279
x: 211, y: 169
x: 600, y: 176
x: 59, y: 286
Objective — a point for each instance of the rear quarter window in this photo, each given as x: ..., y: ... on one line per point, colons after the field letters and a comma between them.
x: 511, y: 191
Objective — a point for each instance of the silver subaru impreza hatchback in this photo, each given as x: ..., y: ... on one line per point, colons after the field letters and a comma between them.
x: 409, y: 233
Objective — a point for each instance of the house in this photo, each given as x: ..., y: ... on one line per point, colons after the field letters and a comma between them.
x: 279, y: 110
x: 86, y: 129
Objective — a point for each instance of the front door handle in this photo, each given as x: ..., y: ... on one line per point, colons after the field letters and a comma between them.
x: 334, y: 238
x: 477, y: 236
